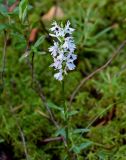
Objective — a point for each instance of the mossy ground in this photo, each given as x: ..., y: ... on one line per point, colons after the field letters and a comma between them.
x: 100, y: 104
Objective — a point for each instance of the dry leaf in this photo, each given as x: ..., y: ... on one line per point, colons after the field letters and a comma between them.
x: 42, y: 113
x: 15, y: 109
x: 33, y: 35
x: 54, y: 12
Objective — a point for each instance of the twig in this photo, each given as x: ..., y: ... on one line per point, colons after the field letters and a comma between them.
x: 4, y: 57
x: 38, y: 90
x: 48, y: 140
x: 21, y: 133
x: 97, y: 71
x: 11, y: 8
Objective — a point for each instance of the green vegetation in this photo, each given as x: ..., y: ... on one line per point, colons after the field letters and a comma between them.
x: 97, y: 117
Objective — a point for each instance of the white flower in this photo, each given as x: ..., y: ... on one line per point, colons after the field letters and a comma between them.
x: 69, y: 44
x: 67, y: 28
x: 59, y: 76
x: 57, y: 64
x: 71, y: 57
x: 61, y: 56
x: 57, y: 30
x: 54, y: 49
x: 70, y: 65
x: 63, y: 50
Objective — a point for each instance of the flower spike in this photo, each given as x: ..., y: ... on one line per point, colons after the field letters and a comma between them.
x: 63, y: 50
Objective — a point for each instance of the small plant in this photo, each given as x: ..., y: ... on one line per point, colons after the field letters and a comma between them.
x: 63, y: 55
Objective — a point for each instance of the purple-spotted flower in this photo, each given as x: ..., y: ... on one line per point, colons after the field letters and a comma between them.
x: 63, y: 49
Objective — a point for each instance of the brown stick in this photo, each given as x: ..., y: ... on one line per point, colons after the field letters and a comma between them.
x: 38, y: 90
x: 48, y: 140
x: 11, y: 8
x: 117, y: 51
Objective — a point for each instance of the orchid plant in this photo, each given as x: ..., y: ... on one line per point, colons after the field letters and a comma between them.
x: 63, y: 56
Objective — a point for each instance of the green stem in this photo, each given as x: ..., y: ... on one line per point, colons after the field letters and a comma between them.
x: 65, y: 112
x: 66, y: 121
x: 32, y: 63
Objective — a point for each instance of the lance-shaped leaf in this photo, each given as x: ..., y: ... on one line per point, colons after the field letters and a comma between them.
x: 23, y: 8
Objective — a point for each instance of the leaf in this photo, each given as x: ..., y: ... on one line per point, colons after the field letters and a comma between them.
x: 3, y: 27
x: 6, y: 26
x: 26, y: 54
x: 54, y: 12
x: 41, y: 52
x: 72, y: 113
x: 1, y: 140
x: 3, y: 10
x: 102, y: 155
x: 33, y: 49
x: 78, y: 149
x: 81, y: 130
x: 61, y: 132
x: 39, y: 41
x: 103, y: 32
x: 52, y: 105
x: 23, y: 8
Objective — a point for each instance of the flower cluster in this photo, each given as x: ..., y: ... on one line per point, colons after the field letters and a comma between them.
x: 63, y: 49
